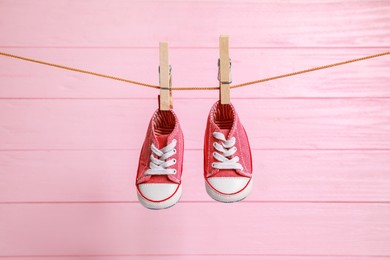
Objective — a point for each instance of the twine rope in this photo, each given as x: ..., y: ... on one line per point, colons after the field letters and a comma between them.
x: 192, y: 88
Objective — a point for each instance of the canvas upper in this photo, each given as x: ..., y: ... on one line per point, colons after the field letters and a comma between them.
x: 164, y: 128
x: 224, y: 119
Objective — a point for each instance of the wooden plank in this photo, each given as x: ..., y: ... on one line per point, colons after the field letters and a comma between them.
x: 194, y: 23
x: 320, y: 141
x: 268, y: 229
x: 196, y: 257
x: 109, y: 176
x: 20, y: 79
x: 271, y: 124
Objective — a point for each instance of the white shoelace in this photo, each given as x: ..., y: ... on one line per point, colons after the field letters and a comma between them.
x: 227, y: 149
x: 159, y: 166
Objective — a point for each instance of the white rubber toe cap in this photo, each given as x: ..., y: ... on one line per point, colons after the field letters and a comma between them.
x: 157, y: 191
x: 228, y: 185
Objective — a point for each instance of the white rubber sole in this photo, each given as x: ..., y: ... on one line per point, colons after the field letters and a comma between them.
x: 163, y: 204
x: 229, y: 198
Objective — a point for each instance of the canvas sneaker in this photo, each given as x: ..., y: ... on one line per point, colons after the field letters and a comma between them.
x: 227, y: 155
x: 160, y: 165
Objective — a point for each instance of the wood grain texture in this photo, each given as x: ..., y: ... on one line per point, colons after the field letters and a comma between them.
x: 196, y: 257
x: 280, y: 176
x: 100, y: 229
x: 69, y: 142
x: 194, y: 67
x: 195, y: 24
x: 271, y: 124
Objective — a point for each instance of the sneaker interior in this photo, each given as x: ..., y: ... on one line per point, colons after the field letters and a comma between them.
x: 164, y: 122
x: 224, y: 116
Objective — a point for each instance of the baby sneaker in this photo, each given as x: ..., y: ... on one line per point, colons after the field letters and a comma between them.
x: 161, y: 161
x: 227, y: 155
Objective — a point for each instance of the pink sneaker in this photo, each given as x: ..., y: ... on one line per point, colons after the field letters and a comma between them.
x: 161, y: 162
x: 227, y: 156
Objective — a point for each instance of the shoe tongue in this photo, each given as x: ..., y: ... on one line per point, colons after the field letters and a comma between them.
x: 226, y: 172
x: 161, y: 143
x: 225, y: 132
x: 162, y: 140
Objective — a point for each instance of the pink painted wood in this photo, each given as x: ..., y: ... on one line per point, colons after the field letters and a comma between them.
x: 69, y: 143
x: 205, y: 256
x: 271, y: 123
x: 189, y: 23
x: 200, y: 256
x: 293, y: 176
x: 104, y: 229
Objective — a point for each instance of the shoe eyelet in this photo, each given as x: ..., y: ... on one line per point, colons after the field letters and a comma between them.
x: 174, y: 171
x: 213, y: 165
x: 174, y: 151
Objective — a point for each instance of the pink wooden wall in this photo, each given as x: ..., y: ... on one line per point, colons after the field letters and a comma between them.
x: 69, y: 143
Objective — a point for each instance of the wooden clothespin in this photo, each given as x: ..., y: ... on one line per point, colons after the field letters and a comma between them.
x: 165, y: 71
x: 224, y: 70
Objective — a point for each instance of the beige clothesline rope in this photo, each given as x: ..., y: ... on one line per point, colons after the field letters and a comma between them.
x: 193, y: 88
